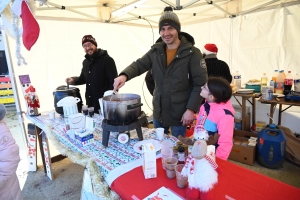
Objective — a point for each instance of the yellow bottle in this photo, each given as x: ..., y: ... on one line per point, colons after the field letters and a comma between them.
x: 263, y: 81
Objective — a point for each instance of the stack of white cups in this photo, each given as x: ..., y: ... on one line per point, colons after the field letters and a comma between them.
x: 166, y: 150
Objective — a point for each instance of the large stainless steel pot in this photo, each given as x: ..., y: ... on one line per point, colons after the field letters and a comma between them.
x: 120, y: 109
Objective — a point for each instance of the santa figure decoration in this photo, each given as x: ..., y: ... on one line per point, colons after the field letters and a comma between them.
x: 32, y: 100
x: 201, y: 172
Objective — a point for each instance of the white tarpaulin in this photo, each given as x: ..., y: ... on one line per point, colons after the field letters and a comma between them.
x: 253, y: 44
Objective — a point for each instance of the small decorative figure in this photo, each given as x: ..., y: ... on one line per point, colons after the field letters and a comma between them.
x: 201, y: 172
x: 32, y: 100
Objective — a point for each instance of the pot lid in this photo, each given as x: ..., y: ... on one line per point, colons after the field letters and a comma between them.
x: 64, y: 88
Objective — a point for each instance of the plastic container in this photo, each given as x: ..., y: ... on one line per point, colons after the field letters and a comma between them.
x: 297, y: 83
x: 288, y: 83
x: 264, y: 80
x: 255, y: 87
x: 283, y: 73
x: 237, y: 80
x: 280, y: 82
x: 274, y: 76
x: 267, y: 92
x: 272, y: 84
x: 271, y: 147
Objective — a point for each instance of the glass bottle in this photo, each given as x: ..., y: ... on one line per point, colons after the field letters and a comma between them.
x: 181, y: 155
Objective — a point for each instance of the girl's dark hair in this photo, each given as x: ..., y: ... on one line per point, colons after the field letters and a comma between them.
x: 219, y: 88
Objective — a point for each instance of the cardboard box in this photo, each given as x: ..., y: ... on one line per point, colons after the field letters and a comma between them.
x: 84, y: 137
x: 149, y: 160
x: 238, y: 123
x: 260, y: 125
x: 240, y: 153
x: 76, y: 121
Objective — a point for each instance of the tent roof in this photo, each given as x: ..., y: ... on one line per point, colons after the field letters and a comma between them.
x: 150, y: 11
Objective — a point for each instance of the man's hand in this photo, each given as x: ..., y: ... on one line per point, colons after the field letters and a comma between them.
x: 70, y: 81
x: 119, y: 82
x: 187, y: 117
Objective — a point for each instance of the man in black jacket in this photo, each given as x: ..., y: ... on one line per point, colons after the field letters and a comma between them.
x: 215, y: 67
x: 98, y: 72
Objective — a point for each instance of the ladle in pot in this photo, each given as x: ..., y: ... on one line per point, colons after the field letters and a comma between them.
x: 114, y: 92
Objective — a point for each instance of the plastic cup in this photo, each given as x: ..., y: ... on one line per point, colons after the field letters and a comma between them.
x: 91, y: 111
x: 170, y: 164
x: 163, y: 157
x: 181, y: 180
x: 52, y: 115
x: 160, y: 133
x: 85, y: 110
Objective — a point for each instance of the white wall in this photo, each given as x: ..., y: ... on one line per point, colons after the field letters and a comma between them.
x: 261, y: 42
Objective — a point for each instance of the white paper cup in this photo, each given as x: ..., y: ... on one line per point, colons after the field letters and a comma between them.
x: 52, y: 115
x: 160, y: 133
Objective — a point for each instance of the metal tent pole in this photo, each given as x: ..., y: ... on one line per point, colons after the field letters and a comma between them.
x: 14, y: 85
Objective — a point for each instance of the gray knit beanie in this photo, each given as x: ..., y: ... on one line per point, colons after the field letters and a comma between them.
x: 2, y: 111
x: 169, y: 18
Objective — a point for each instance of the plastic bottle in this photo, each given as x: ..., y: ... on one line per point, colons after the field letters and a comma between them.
x: 273, y: 85
x: 288, y: 83
x: 237, y: 80
x: 263, y: 81
x: 283, y: 73
x: 280, y: 82
x: 297, y: 83
x: 274, y: 76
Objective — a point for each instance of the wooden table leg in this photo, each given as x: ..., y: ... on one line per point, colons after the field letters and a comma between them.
x: 244, y: 118
x: 52, y: 159
x: 40, y: 140
x: 253, y: 110
x: 279, y: 114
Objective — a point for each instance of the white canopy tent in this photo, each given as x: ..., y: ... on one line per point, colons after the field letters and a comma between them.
x: 249, y: 41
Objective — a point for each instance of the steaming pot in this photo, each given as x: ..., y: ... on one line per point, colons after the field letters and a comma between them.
x: 121, y: 109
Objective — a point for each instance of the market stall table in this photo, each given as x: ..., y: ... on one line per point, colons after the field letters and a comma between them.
x: 245, y: 97
x: 234, y: 182
x: 113, y: 161
x: 280, y: 101
x: 121, y: 168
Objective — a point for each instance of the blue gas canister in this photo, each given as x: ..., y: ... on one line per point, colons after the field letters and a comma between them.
x: 271, y: 147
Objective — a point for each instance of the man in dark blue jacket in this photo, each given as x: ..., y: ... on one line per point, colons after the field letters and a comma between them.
x: 98, y: 72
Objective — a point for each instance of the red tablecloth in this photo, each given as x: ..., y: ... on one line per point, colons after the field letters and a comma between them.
x: 235, y: 182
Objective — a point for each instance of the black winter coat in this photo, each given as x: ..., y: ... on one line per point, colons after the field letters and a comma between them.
x: 178, y: 86
x: 98, y: 73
